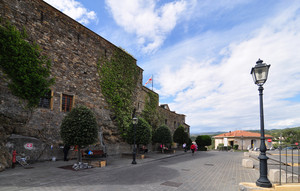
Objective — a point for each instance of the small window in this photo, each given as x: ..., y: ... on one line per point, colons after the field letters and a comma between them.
x: 45, y: 102
x: 174, y: 124
x: 67, y: 102
x: 166, y: 121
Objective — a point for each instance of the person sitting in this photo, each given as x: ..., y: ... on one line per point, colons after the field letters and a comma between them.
x: 144, y: 148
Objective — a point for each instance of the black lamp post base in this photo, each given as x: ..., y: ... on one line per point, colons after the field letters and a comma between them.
x: 133, y: 162
x: 133, y: 157
x: 265, y: 184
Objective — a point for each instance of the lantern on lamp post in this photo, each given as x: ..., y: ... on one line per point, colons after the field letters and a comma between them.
x: 260, y: 76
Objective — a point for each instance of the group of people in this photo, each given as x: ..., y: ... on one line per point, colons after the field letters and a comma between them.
x: 193, y: 147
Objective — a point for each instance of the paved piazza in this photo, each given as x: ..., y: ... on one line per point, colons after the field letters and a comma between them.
x: 207, y: 171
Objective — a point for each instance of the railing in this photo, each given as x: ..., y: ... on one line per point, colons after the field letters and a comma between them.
x: 289, y: 160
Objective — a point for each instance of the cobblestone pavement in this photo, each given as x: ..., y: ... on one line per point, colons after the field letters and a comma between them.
x: 207, y: 171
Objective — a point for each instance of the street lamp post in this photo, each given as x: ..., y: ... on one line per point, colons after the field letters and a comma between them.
x: 242, y: 143
x: 260, y: 75
x: 134, y: 122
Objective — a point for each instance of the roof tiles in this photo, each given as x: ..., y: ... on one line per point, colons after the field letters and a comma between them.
x: 240, y: 133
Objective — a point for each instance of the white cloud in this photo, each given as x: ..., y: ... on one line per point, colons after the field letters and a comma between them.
x: 221, y: 95
x: 148, y: 22
x: 74, y: 9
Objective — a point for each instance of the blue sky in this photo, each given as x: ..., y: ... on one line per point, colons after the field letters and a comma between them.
x: 201, y: 53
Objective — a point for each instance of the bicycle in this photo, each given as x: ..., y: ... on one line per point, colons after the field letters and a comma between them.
x: 22, y: 160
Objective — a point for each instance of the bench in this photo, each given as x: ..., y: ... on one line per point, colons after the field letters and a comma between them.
x: 143, y: 150
x: 93, y: 154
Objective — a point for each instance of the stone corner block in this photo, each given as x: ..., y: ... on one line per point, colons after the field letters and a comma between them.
x: 274, y: 175
x: 249, y: 186
x: 248, y: 163
x: 289, y: 178
x: 246, y: 154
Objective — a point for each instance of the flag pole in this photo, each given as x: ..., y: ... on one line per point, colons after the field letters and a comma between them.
x: 152, y: 82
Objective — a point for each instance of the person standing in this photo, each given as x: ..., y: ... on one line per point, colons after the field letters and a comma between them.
x: 193, y: 148
x: 66, y: 150
x: 184, y: 147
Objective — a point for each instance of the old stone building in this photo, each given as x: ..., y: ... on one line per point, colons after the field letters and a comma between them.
x: 172, y: 119
x: 74, y: 51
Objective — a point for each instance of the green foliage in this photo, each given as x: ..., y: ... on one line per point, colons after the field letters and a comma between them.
x: 202, y: 149
x: 275, y: 145
x: 223, y: 148
x: 235, y: 147
x: 203, y: 140
x: 150, y: 113
x: 291, y: 136
x: 189, y: 143
x: 162, y: 135
x: 180, y: 136
x: 118, y: 80
x: 27, y: 69
x: 79, y: 127
x: 143, y: 133
x: 212, y: 146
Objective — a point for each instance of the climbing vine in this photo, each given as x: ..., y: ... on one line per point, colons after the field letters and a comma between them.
x: 25, y: 66
x: 150, y: 113
x: 118, y: 80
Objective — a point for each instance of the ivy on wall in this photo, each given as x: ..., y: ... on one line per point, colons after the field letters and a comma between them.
x: 25, y: 66
x: 150, y: 112
x: 118, y: 81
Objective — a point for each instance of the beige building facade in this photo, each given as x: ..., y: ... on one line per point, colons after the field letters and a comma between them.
x: 244, y: 139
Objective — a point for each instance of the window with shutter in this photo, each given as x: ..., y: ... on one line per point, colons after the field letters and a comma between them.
x: 66, y: 102
x: 45, y: 102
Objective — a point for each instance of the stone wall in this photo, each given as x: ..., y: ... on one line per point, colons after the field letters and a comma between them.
x: 74, y: 51
x: 172, y: 119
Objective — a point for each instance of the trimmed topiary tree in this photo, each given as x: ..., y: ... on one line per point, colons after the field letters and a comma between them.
x: 202, y: 141
x: 162, y: 135
x: 180, y: 136
x: 143, y: 133
x: 79, y: 127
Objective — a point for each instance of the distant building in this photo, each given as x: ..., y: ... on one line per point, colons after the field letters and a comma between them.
x: 172, y: 119
x: 244, y: 139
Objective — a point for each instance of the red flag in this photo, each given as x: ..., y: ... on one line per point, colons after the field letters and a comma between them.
x: 149, y: 81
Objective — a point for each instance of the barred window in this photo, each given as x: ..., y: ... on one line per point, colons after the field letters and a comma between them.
x: 66, y: 102
x: 45, y: 101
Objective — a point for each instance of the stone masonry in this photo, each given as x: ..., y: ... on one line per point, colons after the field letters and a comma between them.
x: 74, y: 51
